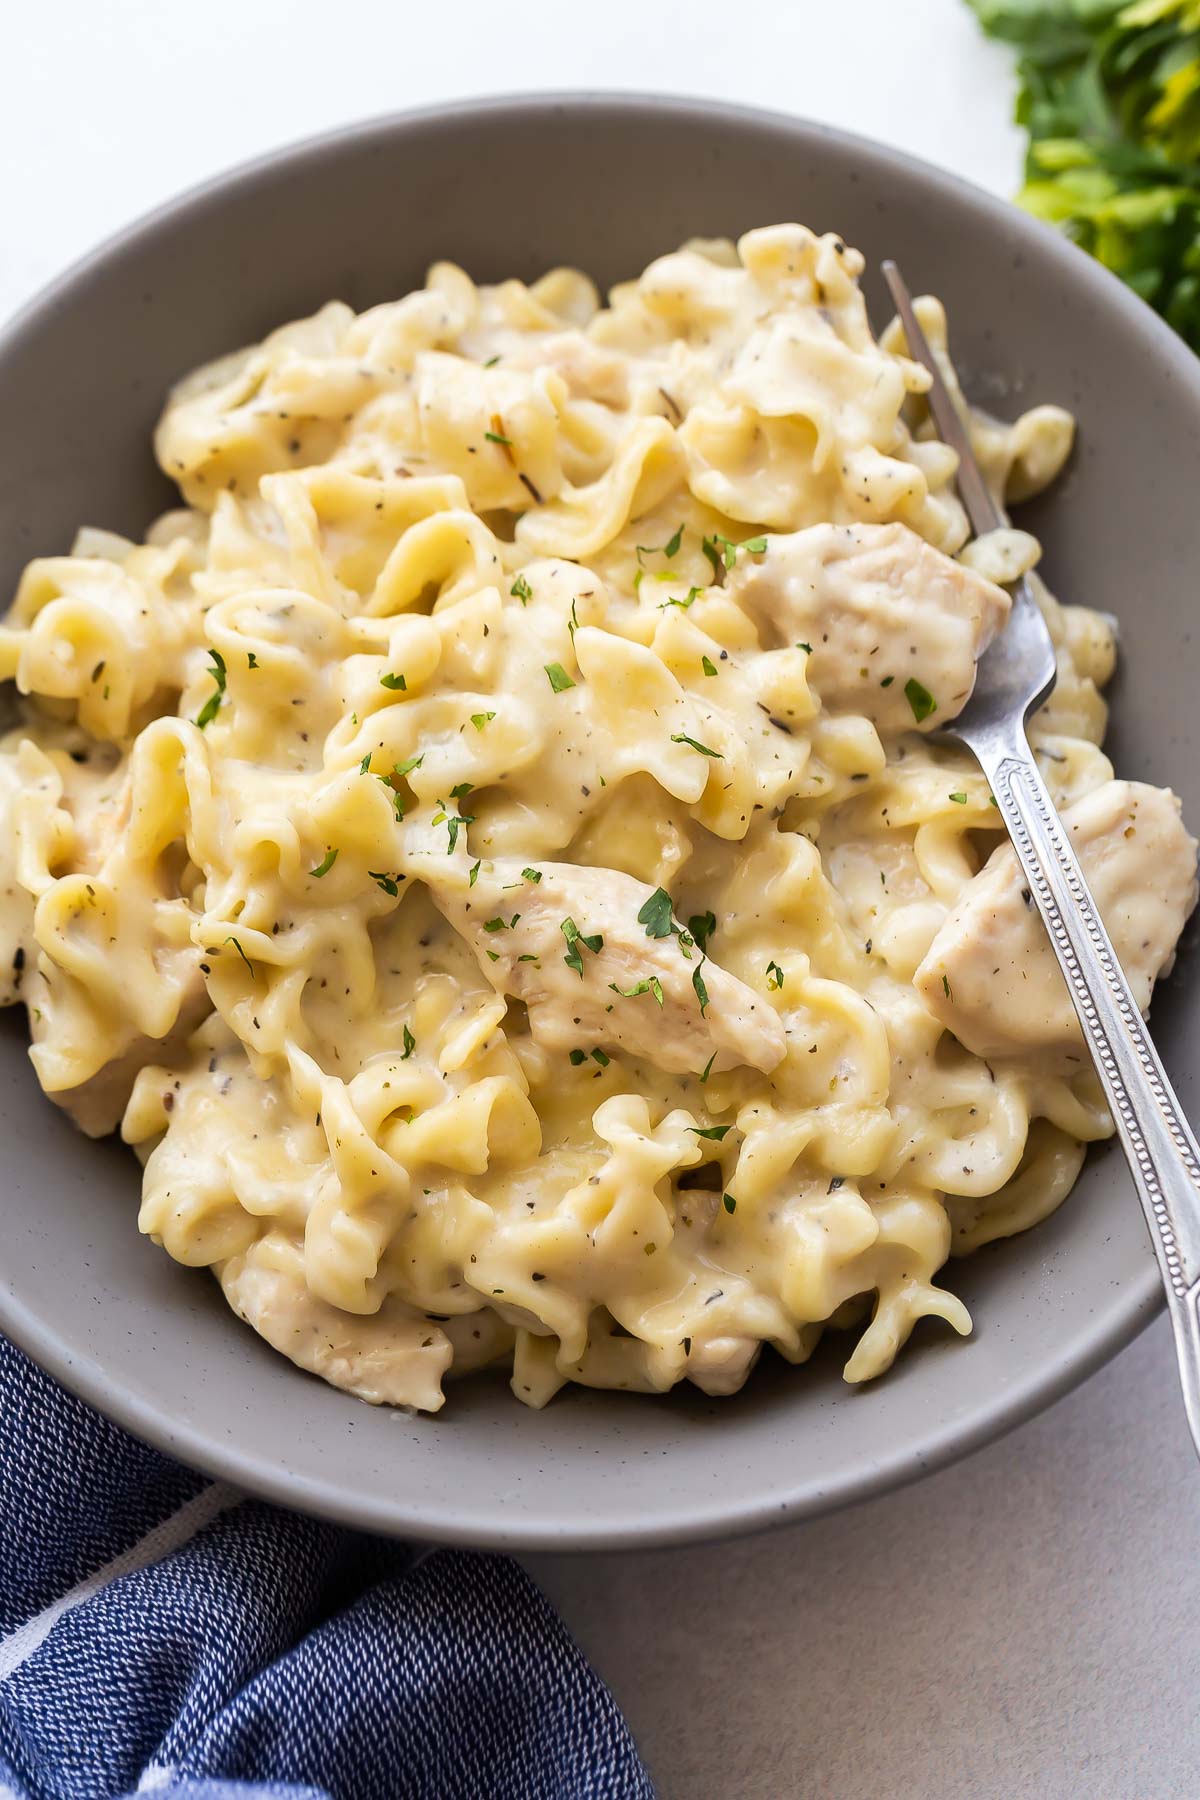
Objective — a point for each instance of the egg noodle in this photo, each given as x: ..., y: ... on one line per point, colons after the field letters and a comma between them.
x: 487, y: 853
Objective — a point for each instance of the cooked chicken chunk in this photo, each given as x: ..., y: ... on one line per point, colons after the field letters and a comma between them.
x: 389, y: 1358
x: 891, y: 622
x: 990, y: 975
x: 572, y: 947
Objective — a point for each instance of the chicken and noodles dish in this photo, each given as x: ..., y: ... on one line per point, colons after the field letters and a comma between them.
x: 490, y: 854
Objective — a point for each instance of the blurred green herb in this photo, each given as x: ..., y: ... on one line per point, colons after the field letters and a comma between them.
x: 212, y: 705
x: 1110, y: 97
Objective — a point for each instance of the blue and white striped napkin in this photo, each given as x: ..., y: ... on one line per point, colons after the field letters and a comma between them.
x: 159, y: 1633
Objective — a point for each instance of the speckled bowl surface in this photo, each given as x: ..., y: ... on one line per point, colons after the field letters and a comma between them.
x: 511, y: 187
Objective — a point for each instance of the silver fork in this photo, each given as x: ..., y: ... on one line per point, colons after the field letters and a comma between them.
x: 1015, y: 675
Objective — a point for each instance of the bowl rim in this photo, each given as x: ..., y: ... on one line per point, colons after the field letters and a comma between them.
x: 989, y: 1417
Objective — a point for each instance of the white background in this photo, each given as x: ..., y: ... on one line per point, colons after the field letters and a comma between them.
x: 1027, y: 1623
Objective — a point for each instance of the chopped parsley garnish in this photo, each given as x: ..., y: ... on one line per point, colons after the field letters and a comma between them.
x: 527, y: 957
x: 887, y: 681
x: 920, y: 699
x: 805, y: 647
x: 498, y: 437
x: 453, y: 822
x: 326, y: 863
x: 396, y: 800
x: 575, y: 937
x: 946, y: 987
x: 653, y: 986
x: 729, y: 1203
x: 251, y: 660
x: 364, y: 767
x: 409, y: 764
x: 681, y: 737
x: 710, y: 668
x: 701, y: 990
x: 388, y: 883
x: 558, y: 678
x: 600, y: 1057
x: 499, y: 924
x: 722, y: 550
x: 473, y: 877
x: 959, y: 799
x: 479, y: 720
x: 693, y: 594
x: 460, y: 790
x: 410, y: 1044
x: 212, y: 705
x: 393, y: 681
x: 668, y: 549
x: 521, y: 590
x: 534, y: 875
x: 706, y: 1071
x: 702, y: 925
x: 577, y: 1056
x: 237, y: 946
x: 655, y: 915
x: 716, y: 1132
x: 774, y: 976
x: 491, y: 362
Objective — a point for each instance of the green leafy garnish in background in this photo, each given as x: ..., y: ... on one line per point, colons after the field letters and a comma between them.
x: 1110, y: 96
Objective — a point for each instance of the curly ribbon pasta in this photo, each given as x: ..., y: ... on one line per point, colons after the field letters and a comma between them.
x: 466, y: 589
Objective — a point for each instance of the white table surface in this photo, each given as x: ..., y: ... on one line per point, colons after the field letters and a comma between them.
x: 1025, y: 1623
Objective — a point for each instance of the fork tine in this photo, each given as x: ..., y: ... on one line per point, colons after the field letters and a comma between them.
x: 1018, y: 669
x: 982, y: 510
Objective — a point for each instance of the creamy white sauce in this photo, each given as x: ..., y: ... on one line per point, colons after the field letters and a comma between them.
x: 488, y: 850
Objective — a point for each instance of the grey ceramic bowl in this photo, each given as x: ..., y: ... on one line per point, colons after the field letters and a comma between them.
x: 511, y: 187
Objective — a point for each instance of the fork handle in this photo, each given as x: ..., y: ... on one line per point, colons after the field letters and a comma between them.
x: 1163, y: 1154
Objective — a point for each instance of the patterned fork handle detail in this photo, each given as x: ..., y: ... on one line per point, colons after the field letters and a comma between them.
x: 1163, y: 1154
